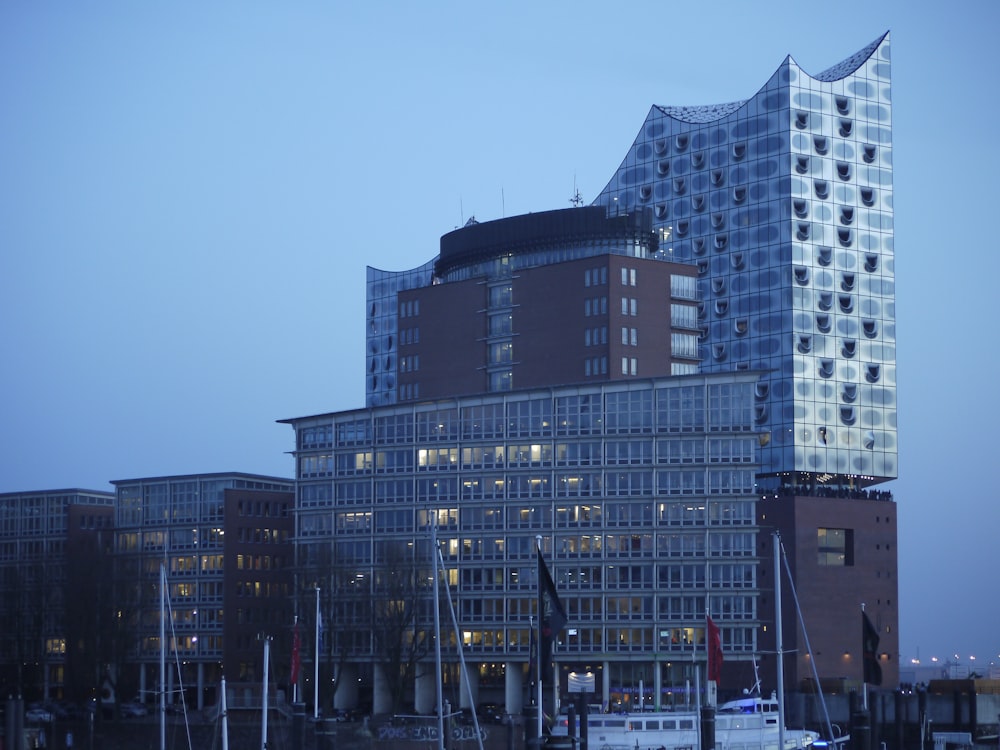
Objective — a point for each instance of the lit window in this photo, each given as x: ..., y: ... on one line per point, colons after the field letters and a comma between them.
x: 835, y: 547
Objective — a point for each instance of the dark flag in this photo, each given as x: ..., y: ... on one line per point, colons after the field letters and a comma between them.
x: 714, y: 652
x: 869, y: 651
x: 552, y: 616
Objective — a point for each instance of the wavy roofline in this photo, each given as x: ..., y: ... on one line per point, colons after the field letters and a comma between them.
x: 848, y: 65
x: 701, y: 114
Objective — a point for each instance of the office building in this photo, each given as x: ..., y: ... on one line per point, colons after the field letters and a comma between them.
x: 47, y: 538
x: 541, y: 299
x: 224, y: 543
x: 642, y: 491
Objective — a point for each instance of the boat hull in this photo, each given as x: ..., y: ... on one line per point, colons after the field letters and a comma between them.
x: 671, y: 730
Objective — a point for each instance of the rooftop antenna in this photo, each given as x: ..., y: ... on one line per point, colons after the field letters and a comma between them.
x: 577, y: 199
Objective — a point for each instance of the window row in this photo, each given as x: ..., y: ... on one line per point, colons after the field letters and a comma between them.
x: 582, y: 484
x: 600, y: 608
x: 595, y: 276
x: 596, y: 336
x: 585, y: 453
x: 595, y: 306
x: 670, y: 409
x: 499, y: 641
x: 608, y: 515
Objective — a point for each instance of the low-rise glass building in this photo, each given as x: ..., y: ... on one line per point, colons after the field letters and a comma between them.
x: 641, y: 491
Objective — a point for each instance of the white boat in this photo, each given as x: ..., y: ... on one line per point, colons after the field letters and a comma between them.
x: 747, y: 724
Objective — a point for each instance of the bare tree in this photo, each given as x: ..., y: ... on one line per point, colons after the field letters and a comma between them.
x: 401, y: 628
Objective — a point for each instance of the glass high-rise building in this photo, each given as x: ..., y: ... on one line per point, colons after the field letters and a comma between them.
x: 526, y: 382
x: 784, y: 203
x: 222, y: 545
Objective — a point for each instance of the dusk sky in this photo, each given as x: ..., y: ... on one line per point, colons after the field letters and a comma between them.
x: 190, y: 194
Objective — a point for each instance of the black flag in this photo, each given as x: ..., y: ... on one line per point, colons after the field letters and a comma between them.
x: 869, y: 651
x: 552, y: 617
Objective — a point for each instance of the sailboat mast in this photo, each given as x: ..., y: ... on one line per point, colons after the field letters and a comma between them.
x: 163, y: 657
x: 263, y: 723
x: 437, y: 636
x: 538, y: 642
x: 464, y: 679
x: 225, y: 719
x: 316, y: 663
x: 777, y: 636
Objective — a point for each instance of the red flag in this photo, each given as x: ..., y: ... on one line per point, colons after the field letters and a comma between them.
x: 714, y: 652
x: 296, y: 659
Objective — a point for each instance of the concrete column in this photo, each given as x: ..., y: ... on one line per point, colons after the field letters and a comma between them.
x: 381, y: 696
x: 201, y: 686
x: 469, y: 683
x: 657, y: 685
x: 425, y: 690
x: 347, y: 687
x: 606, y: 686
x: 554, y: 687
x: 514, y: 688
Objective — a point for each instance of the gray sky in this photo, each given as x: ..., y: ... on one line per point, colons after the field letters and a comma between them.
x: 190, y: 193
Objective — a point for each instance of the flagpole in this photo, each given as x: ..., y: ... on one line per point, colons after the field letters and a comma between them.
x: 295, y: 657
x: 697, y: 687
x: 538, y: 642
x: 778, y: 639
x: 709, y: 646
x: 864, y: 681
x: 316, y: 663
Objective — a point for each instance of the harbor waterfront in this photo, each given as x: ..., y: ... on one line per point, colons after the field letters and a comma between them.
x: 953, y: 708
